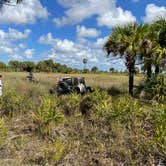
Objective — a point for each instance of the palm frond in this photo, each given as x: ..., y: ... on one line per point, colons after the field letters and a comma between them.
x: 19, y: 1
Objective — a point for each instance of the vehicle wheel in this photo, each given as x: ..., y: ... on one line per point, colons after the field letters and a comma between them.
x: 77, y: 90
x: 89, y: 89
x: 51, y: 91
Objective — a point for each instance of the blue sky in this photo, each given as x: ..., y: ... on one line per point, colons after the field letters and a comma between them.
x: 69, y: 30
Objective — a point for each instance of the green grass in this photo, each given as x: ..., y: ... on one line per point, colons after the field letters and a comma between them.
x: 106, y: 127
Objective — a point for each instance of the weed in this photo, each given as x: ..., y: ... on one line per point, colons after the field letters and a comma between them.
x: 54, y: 152
x: 11, y: 103
x: 47, y: 115
x: 69, y: 103
x: 3, y: 132
x: 159, y: 117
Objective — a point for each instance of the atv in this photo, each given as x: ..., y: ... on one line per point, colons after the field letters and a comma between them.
x: 31, y: 78
x: 69, y: 85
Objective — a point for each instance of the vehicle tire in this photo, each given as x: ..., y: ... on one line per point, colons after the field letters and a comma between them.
x: 89, y: 89
x: 78, y: 90
x: 51, y: 91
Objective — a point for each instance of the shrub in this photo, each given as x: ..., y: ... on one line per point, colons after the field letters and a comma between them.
x: 88, y: 103
x: 47, y: 115
x: 69, y: 103
x: 3, y: 132
x: 11, y: 103
x: 154, y: 89
x: 123, y: 109
x: 159, y: 118
x: 53, y: 152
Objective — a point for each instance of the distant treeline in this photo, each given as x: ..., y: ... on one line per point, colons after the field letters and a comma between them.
x: 50, y: 66
x: 42, y: 66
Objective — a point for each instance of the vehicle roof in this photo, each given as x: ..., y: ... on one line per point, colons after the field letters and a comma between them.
x: 66, y: 78
x: 69, y: 77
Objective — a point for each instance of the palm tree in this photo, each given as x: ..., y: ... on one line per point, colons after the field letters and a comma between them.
x: 85, y: 61
x: 124, y: 41
x: 146, y: 55
x: 159, y: 42
x: 8, y: 2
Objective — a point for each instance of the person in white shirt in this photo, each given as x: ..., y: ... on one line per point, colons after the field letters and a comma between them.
x: 1, y: 85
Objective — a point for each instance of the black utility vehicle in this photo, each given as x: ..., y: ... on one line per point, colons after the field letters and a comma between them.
x: 69, y: 85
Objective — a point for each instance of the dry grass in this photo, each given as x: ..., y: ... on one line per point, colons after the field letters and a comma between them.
x: 47, y: 130
x: 46, y: 80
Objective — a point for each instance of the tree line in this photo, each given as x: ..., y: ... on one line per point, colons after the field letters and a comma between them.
x: 41, y: 66
x: 44, y: 66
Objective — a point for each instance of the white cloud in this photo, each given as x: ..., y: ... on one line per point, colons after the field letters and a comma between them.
x: 71, y: 53
x: 112, y: 19
x: 29, y: 53
x: 58, y: 44
x: 153, y: 12
x: 100, y: 42
x: 10, y: 46
x: 83, y: 32
x: 79, y: 10
x: 24, y: 13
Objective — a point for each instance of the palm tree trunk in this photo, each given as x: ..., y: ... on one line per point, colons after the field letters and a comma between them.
x: 149, y: 67
x: 149, y: 71
x: 130, y: 62
x: 157, y: 69
x: 131, y: 82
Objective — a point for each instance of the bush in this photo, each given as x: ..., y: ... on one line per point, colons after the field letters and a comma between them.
x: 89, y: 102
x: 3, y: 132
x: 154, y: 89
x: 159, y: 119
x: 69, y: 103
x: 54, y: 152
x: 123, y: 109
x: 11, y: 103
x: 47, y: 115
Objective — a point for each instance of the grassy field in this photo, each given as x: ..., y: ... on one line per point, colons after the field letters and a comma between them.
x: 106, y: 127
x: 46, y: 80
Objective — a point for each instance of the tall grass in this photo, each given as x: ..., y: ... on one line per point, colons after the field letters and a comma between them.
x: 94, y: 129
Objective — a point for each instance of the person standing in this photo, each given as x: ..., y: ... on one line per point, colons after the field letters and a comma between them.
x: 1, y: 84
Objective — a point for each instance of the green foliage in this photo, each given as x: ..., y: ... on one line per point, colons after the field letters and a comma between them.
x: 11, y: 103
x: 113, y: 129
x: 3, y: 66
x: 159, y: 118
x: 94, y: 69
x: 123, y: 109
x: 53, y: 152
x: 42, y: 66
x: 47, y: 115
x: 3, y: 132
x: 69, y: 103
x: 88, y: 103
x: 155, y: 88
x: 112, y: 70
x: 27, y: 66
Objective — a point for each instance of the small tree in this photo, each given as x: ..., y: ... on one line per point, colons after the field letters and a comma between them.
x: 112, y: 70
x: 94, y: 69
x: 28, y: 66
x: 124, y: 41
x: 85, y: 61
x: 15, y: 65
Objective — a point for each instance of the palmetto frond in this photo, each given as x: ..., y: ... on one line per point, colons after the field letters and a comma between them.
x: 19, y: 1
x: 160, y: 53
x: 9, y: 2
